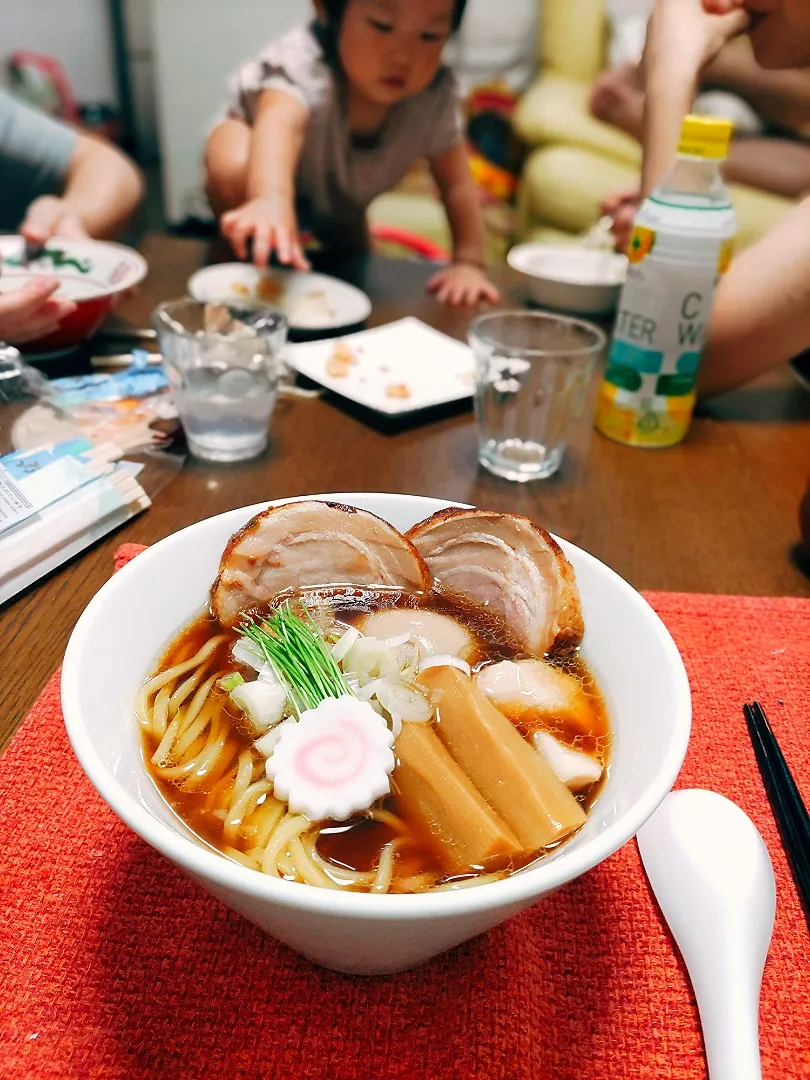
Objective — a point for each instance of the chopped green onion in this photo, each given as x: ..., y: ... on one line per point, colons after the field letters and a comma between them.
x: 294, y: 646
x: 230, y: 682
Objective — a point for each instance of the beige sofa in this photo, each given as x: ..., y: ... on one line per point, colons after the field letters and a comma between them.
x: 577, y: 160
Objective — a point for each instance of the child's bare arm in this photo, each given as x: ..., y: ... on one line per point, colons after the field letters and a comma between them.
x: 268, y: 216
x: 761, y: 313
x: 464, y: 282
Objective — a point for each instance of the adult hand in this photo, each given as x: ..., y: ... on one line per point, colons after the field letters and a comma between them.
x: 270, y: 223
x: 622, y: 207
x: 52, y: 216
x: 33, y: 311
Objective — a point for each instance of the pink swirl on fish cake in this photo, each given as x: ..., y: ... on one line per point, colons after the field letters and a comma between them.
x: 349, y: 746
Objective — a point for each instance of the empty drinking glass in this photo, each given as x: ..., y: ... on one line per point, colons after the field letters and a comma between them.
x: 224, y: 366
x: 532, y: 376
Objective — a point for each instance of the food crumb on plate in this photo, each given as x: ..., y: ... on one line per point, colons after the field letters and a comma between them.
x: 340, y: 363
x: 397, y: 390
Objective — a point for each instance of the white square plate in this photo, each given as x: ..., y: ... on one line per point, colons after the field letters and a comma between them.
x: 397, y: 368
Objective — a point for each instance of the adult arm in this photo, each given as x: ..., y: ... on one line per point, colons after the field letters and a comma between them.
x: 681, y: 40
x: 101, y: 190
x: 761, y: 314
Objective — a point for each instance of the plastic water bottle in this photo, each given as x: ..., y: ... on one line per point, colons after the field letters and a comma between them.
x: 680, y: 246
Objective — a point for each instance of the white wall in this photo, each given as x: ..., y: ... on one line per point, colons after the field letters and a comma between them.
x: 76, y: 32
x: 191, y: 80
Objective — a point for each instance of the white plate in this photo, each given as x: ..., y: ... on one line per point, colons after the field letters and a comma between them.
x: 433, y: 368
x: 310, y: 301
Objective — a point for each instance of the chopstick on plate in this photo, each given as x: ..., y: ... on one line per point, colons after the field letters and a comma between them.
x: 789, y: 811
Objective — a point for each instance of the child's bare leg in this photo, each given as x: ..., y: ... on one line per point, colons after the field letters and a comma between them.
x: 777, y: 165
x: 226, y: 165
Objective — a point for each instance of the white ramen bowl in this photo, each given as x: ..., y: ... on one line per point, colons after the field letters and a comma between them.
x: 125, y: 629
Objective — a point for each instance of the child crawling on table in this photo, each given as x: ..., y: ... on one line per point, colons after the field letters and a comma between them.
x: 334, y: 114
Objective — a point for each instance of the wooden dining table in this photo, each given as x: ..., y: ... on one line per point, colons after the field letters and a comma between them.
x: 717, y: 514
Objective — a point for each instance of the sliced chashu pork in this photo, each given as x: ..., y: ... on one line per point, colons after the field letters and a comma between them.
x: 307, y: 544
x: 509, y: 565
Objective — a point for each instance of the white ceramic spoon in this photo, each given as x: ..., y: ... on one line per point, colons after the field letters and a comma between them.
x: 712, y: 876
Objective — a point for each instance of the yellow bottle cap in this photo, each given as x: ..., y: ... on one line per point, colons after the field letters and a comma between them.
x: 705, y: 137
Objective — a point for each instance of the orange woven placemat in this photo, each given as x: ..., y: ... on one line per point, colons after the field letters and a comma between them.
x: 114, y: 965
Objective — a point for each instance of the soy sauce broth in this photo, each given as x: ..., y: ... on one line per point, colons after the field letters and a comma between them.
x: 356, y: 845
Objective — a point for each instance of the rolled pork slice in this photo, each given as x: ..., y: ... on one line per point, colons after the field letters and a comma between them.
x: 310, y: 544
x: 509, y: 565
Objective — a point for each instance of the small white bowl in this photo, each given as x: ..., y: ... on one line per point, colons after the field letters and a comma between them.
x: 584, y: 281
x: 125, y: 628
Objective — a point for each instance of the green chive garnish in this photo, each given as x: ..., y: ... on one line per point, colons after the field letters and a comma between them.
x: 294, y: 647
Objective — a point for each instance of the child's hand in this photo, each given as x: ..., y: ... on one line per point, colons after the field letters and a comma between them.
x: 270, y: 223
x: 462, y: 283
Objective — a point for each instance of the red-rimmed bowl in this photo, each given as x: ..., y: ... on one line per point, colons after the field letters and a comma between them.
x: 93, y: 273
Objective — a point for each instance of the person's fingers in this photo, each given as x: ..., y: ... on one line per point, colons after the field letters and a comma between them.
x: 33, y: 332
x: 241, y: 232
x: 283, y: 245
x: 434, y: 283
x: 228, y: 224
x: 25, y: 301
x: 443, y: 292
x: 70, y: 227
x: 611, y: 203
x: 737, y: 22
x: 623, y: 221
x: 45, y: 323
x: 29, y: 327
x: 490, y: 292
x: 722, y: 7
x: 299, y: 259
x: 41, y: 220
x: 33, y: 311
x: 263, y: 245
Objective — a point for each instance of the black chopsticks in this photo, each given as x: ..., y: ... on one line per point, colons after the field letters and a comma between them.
x: 790, y: 813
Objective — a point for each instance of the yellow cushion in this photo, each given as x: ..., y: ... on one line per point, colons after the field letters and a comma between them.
x: 424, y: 215
x: 544, y: 234
x: 420, y: 214
x: 757, y: 213
x: 555, y: 109
x: 563, y: 187
x: 573, y: 37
